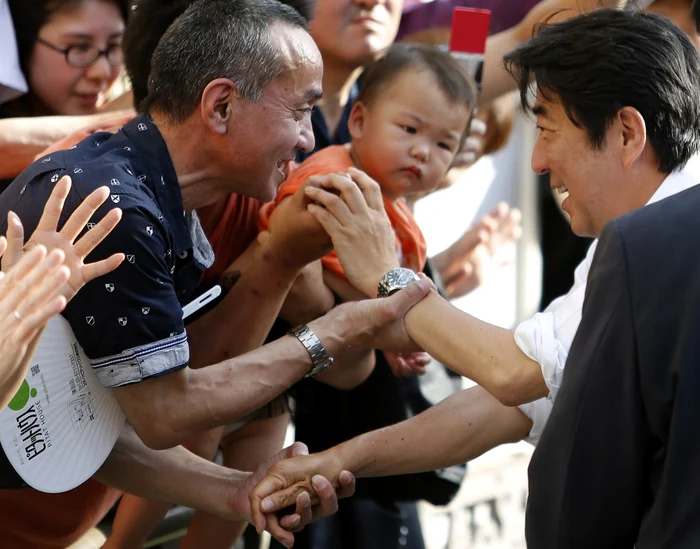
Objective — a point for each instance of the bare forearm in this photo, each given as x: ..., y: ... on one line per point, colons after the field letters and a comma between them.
x: 495, y: 80
x: 21, y: 139
x: 350, y: 368
x: 457, y: 430
x: 475, y: 349
x: 242, y: 322
x: 171, y: 476
x: 170, y: 409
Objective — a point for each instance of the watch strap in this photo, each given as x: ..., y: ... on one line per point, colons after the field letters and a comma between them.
x: 320, y: 360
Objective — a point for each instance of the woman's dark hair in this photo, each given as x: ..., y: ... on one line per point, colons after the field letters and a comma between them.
x: 597, y: 63
x: 451, y: 77
x: 148, y: 23
x: 29, y: 16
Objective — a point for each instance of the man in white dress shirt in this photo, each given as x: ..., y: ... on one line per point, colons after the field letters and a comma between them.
x: 618, y: 117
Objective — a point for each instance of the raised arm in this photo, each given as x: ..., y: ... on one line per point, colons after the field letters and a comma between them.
x: 475, y: 349
x: 495, y: 80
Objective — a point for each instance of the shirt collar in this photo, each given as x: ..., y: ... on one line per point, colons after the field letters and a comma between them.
x: 674, y: 183
x: 161, y: 176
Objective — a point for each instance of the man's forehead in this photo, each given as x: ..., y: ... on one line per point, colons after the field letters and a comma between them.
x: 303, y: 61
x: 296, y: 47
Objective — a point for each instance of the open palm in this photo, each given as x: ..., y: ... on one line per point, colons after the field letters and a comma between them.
x: 47, y: 235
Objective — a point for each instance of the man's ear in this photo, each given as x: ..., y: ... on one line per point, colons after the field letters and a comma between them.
x: 357, y: 120
x: 632, y: 136
x: 217, y: 104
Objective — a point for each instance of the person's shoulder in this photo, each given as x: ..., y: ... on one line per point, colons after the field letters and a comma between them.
x: 672, y: 216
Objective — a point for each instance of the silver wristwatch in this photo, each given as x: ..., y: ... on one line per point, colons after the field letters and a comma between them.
x: 320, y: 360
x: 395, y: 280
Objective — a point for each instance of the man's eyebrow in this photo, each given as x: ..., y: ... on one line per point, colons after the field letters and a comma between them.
x: 313, y: 95
x: 540, y: 110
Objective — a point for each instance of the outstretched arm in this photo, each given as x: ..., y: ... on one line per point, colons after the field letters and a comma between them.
x: 455, y: 431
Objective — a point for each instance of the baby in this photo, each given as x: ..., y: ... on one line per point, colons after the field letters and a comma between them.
x: 407, y: 124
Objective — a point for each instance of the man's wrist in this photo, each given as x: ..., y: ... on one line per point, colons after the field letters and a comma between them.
x: 277, y: 261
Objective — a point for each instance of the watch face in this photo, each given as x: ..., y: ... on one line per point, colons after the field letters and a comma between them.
x: 396, y: 279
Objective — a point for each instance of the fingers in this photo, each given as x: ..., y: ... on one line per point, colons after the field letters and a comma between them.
x: 347, y: 485
x: 80, y: 217
x: 403, y: 300
x: 95, y: 270
x: 478, y: 127
x: 36, y: 321
x: 3, y: 245
x: 303, y: 509
x: 369, y: 187
x: 327, y: 220
x: 54, y: 205
x: 35, y: 279
x: 15, y: 242
x: 299, y: 449
x: 97, y: 234
x: 328, y: 499
x: 285, y: 537
x: 341, y: 205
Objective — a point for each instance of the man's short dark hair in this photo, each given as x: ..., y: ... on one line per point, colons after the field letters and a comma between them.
x: 217, y: 39
x: 597, y: 63
x: 695, y: 13
x: 148, y: 22
x: 452, y: 79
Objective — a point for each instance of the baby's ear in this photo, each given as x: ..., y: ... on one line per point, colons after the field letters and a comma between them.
x: 357, y: 120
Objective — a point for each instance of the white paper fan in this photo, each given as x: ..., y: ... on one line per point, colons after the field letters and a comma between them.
x: 62, y: 424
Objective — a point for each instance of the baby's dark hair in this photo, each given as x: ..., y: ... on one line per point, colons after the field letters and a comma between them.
x: 450, y: 75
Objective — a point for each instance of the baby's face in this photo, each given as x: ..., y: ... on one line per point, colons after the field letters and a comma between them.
x: 408, y: 135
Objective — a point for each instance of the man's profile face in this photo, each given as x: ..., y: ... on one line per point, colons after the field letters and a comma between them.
x: 583, y: 175
x: 353, y: 32
x: 269, y: 132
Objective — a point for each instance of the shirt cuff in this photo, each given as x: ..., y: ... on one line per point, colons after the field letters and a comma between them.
x: 140, y: 363
x: 538, y: 411
x: 536, y: 338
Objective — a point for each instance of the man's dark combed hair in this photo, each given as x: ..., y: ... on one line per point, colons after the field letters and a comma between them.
x: 217, y: 39
x: 597, y: 63
x: 695, y: 13
x: 452, y: 79
x: 148, y: 23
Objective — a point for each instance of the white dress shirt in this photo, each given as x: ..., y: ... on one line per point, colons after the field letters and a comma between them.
x: 546, y: 338
x: 12, y: 82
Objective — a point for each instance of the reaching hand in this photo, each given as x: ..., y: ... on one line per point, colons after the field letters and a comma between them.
x: 29, y: 297
x: 464, y: 265
x: 297, y: 477
x: 322, y: 494
x: 407, y: 364
x: 295, y: 235
x: 351, y: 210
x: 47, y: 235
x: 375, y: 323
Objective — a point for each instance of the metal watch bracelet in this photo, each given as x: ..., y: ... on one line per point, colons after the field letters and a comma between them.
x: 320, y: 360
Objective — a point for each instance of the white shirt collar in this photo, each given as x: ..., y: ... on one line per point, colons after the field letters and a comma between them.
x: 673, y: 184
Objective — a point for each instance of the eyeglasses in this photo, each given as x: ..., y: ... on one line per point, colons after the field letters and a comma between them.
x: 84, y: 55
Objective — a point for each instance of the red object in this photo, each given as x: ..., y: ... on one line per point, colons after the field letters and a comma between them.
x: 470, y: 28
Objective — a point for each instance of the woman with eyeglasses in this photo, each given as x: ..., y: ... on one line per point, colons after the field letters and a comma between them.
x: 70, y: 53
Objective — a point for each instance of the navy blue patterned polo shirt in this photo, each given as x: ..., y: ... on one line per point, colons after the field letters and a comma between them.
x: 129, y: 322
